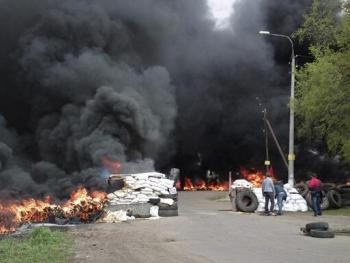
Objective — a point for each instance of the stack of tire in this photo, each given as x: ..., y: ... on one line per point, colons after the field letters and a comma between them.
x: 332, y: 199
x: 318, y: 229
x: 246, y: 200
x: 344, y: 191
x: 166, y: 210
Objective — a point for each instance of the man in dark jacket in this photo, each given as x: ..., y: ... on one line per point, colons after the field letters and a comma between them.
x: 281, y: 195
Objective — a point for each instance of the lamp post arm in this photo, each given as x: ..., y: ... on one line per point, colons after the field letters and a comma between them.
x: 290, y: 40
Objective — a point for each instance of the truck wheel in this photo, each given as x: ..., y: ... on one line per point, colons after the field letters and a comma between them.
x: 246, y: 201
x: 334, y: 198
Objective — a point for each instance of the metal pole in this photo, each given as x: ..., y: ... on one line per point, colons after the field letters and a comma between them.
x: 267, y: 159
x: 291, y: 155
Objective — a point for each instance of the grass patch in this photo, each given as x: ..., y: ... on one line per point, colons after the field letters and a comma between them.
x: 337, y: 212
x: 41, y: 245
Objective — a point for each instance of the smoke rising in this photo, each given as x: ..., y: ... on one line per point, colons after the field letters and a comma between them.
x: 148, y: 83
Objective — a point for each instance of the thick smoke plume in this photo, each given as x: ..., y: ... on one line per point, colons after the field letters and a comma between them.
x: 147, y: 83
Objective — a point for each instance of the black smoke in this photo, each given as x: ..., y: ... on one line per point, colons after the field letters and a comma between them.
x: 149, y: 83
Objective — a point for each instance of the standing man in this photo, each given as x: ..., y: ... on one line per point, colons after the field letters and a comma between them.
x: 315, y: 187
x: 281, y: 195
x: 232, y: 194
x: 268, y: 191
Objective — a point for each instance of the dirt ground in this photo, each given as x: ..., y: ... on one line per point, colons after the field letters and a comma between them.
x: 207, y: 231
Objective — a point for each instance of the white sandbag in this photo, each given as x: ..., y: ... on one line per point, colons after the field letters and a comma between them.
x: 111, y: 196
x: 117, y: 216
x: 168, y: 201
x: 154, y: 211
x: 241, y: 183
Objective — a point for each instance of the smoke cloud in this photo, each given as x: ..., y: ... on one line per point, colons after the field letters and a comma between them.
x: 150, y: 84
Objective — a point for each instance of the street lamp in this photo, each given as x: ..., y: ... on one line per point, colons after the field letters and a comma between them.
x: 291, y: 155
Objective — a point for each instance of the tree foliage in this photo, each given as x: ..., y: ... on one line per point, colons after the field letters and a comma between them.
x: 323, y: 86
x: 320, y: 23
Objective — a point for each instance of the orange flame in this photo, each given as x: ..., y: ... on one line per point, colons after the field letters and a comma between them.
x: 253, y: 176
x: 201, y: 185
x: 112, y: 166
x: 80, y: 205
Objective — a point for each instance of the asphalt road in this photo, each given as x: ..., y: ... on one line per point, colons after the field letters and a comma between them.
x: 207, y: 231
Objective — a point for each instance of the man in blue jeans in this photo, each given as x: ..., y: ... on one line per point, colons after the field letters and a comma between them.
x: 281, y: 195
x: 315, y: 187
x: 268, y: 191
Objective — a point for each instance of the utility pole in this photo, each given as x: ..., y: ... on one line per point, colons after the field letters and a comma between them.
x: 291, y: 155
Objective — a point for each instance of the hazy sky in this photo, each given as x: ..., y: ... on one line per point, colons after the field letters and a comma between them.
x: 221, y: 10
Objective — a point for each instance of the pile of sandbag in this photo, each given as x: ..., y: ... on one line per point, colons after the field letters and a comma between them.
x: 294, y: 202
x: 142, y: 196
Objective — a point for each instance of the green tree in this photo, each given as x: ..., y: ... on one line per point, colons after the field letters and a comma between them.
x: 323, y: 86
x: 320, y: 23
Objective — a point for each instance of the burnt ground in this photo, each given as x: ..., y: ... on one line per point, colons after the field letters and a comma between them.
x: 206, y: 231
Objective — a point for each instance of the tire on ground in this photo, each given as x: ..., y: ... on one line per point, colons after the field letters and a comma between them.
x: 316, y: 225
x: 302, y: 188
x: 246, y: 201
x: 163, y: 206
x: 168, y: 212
x: 334, y: 198
x: 321, y: 233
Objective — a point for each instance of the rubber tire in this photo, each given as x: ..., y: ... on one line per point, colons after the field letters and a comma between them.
x: 321, y: 233
x: 316, y: 225
x: 324, y: 203
x: 328, y: 186
x: 167, y: 207
x: 168, y: 212
x: 344, y: 191
x: 334, y: 198
x: 154, y: 201
x: 307, y: 198
x: 302, y: 189
x: 344, y: 187
x: 246, y: 201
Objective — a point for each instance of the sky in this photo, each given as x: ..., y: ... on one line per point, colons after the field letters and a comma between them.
x: 221, y: 10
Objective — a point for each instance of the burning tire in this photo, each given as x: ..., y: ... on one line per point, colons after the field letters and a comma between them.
x: 334, y: 198
x: 302, y: 189
x: 246, y: 201
x: 321, y: 233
